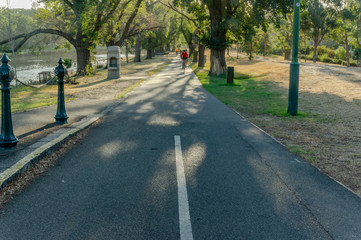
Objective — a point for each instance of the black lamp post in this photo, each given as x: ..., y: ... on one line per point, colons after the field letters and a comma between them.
x: 7, y: 137
x: 61, y: 116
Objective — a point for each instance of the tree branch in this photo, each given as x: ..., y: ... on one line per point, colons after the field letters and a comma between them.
x: 131, y: 18
x: 169, y: 5
x: 69, y: 4
x: 101, y: 22
x: 26, y: 36
x: 134, y: 33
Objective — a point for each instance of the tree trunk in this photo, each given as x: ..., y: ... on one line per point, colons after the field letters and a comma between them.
x: 347, y: 50
x: 191, y: 50
x: 305, y: 48
x: 250, y: 49
x: 83, y: 60
x: 149, y: 54
x: 288, y: 47
x: 315, y: 45
x: 168, y: 47
x: 218, y: 61
x: 237, y: 50
x: 201, y: 55
x: 287, y: 54
x: 137, y: 50
x: 195, y: 56
x: 126, y: 51
x: 264, y: 47
x: 315, y: 52
x: 218, y: 37
x: 218, y: 55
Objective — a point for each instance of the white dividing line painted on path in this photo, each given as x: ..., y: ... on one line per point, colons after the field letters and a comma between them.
x: 185, y: 226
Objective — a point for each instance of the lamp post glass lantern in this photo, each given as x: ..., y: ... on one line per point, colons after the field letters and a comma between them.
x: 7, y: 137
x: 295, y: 66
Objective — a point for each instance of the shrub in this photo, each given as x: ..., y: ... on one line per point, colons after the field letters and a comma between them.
x: 308, y: 50
x: 357, y: 54
x: 321, y: 50
x: 331, y: 53
x: 324, y: 58
x: 310, y: 57
x: 68, y: 62
x: 353, y: 64
x: 341, y: 52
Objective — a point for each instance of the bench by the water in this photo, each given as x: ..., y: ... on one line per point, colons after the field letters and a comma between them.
x: 44, y: 76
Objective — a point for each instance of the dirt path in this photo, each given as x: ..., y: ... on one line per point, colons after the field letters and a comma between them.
x: 332, y: 93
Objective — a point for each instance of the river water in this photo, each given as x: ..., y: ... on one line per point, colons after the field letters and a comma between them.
x: 28, y: 66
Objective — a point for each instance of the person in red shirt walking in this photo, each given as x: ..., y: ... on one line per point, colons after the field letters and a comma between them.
x: 184, y: 57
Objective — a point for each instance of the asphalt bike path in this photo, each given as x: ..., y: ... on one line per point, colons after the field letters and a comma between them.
x: 173, y: 162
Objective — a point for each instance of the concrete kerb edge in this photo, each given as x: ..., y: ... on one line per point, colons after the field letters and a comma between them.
x: 26, y: 162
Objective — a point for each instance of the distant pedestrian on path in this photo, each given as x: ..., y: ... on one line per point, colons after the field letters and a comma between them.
x: 176, y: 52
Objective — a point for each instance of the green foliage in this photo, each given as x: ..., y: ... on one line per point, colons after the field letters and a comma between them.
x: 68, y: 62
x: 19, y: 21
x: 310, y: 57
x: 331, y: 53
x: 353, y: 64
x: 340, y: 53
x: 324, y: 58
x: 306, y: 50
x: 357, y: 54
x: 321, y: 50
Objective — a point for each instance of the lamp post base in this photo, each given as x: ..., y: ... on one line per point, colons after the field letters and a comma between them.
x: 61, y: 120
x: 8, y: 143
